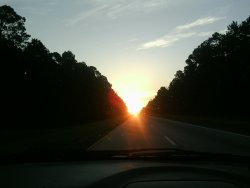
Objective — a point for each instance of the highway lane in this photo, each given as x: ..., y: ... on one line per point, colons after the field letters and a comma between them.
x: 153, y: 132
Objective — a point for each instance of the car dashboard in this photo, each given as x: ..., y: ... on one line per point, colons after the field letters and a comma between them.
x: 125, y: 173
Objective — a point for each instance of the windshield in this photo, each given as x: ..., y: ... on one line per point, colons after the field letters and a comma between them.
x: 125, y: 75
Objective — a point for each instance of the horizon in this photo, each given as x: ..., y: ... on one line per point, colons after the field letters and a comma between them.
x: 138, y: 45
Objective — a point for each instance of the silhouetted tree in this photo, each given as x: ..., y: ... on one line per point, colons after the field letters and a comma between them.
x: 44, y: 89
x: 215, y: 80
x: 12, y: 27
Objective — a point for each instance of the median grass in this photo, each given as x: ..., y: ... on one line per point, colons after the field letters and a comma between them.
x: 60, y: 138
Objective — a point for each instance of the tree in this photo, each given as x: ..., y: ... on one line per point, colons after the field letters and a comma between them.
x: 37, y: 49
x: 68, y: 60
x: 12, y: 27
x: 40, y: 88
x: 215, y: 80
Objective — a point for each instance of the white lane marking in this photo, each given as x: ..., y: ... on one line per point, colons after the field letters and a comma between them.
x: 170, y: 140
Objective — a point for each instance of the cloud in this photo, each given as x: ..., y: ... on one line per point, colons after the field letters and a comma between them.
x: 180, y: 32
x: 165, y: 41
x: 84, y: 15
x: 155, y: 43
x: 199, y: 22
x: 115, y: 8
x: 205, y: 34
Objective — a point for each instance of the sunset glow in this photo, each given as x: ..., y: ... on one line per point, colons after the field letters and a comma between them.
x: 137, y: 45
x: 134, y: 102
x: 133, y: 88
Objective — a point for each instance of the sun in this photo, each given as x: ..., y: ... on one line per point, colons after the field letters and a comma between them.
x: 133, y: 102
x: 134, y: 108
x: 133, y: 87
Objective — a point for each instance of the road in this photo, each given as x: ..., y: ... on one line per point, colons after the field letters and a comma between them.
x: 153, y: 132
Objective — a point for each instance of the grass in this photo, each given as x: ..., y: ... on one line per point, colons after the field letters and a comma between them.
x: 226, y: 124
x: 72, y: 137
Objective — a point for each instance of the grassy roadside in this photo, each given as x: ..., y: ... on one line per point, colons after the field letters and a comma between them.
x: 231, y: 125
x: 72, y: 137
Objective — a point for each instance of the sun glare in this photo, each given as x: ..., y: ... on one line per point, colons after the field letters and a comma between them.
x: 133, y: 87
x: 134, y: 103
x: 133, y: 108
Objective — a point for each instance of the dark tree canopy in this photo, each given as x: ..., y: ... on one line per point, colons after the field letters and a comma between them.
x: 44, y: 89
x: 12, y: 27
x: 215, y: 80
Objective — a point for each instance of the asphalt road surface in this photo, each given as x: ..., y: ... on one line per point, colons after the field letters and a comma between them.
x: 152, y: 132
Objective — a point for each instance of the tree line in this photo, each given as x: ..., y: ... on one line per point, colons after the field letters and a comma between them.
x: 43, y: 88
x: 215, y: 80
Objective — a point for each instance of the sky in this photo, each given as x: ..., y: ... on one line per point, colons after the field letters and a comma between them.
x: 137, y: 44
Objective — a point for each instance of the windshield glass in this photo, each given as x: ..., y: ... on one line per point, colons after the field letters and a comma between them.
x: 125, y: 75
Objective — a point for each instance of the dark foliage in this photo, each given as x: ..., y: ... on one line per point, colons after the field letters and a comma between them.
x: 44, y: 89
x: 215, y: 80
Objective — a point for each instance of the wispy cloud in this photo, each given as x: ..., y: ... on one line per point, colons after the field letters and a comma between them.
x: 199, y: 22
x: 180, y: 32
x: 86, y: 14
x: 165, y: 41
x: 115, y: 8
x: 205, y: 34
